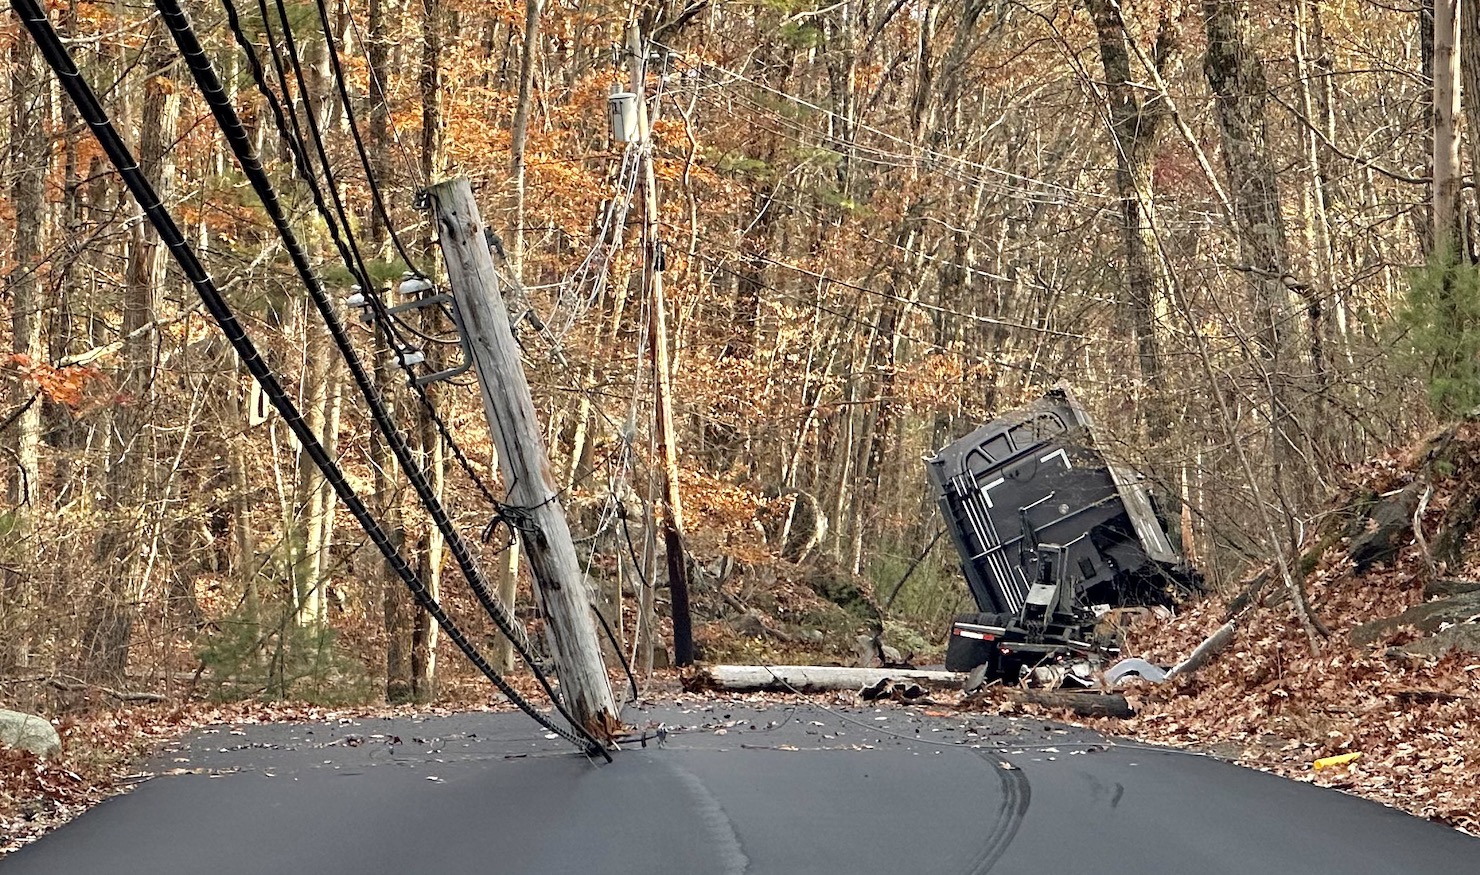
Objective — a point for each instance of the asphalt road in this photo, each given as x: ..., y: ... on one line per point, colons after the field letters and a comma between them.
x: 803, y: 790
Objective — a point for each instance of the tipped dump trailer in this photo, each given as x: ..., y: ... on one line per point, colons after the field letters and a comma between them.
x: 1051, y: 534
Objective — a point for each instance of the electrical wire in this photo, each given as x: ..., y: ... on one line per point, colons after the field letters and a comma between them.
x: 1065, y: 191
x: 240, y: 143
x: 888, y: 296
x: 293, y: 139
x: 505, y: 511
x: 91, y: 111
x: 332, y: 45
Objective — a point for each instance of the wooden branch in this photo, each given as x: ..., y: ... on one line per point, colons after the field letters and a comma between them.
x: 1085, y: 704
x: 1209, y: 648
x: 1418, y: 536
x: 12, y: 416
x: 67, y: 686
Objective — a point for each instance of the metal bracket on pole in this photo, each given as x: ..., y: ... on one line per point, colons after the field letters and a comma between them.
x: 462, y: 336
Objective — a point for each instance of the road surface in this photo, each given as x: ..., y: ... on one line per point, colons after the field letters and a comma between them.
x: 785, y: 791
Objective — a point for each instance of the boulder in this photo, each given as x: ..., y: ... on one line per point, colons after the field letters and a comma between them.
x: 1463, y: 637
x: 1444, y: 587
x: 1388, y: 528
x: 29, y: 732
x: 1427, y: 618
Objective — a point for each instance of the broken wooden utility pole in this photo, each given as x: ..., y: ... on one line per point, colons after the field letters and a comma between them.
x: 652, y: 281
x: 533, y: 505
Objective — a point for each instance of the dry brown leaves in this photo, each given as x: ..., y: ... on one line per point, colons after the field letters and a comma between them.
x: 1269, y: 703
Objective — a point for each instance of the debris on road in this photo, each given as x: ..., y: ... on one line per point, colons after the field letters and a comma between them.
x: 815, y: 678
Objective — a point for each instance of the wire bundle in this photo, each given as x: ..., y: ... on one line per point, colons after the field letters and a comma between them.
x: 91, y: 111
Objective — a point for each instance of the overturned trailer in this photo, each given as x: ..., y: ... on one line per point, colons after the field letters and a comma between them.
x: 1050, y: 534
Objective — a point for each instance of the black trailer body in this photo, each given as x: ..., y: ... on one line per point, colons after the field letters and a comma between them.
x: 1028, y: 499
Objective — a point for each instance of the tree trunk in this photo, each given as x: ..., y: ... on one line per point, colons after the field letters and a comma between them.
x: 427, y: 442
x: 1135, y: 128
x: 314, y: 506
x: 1447, y: 49
x: 1236, y: 75
x: 31, y: 160
x: 398, y: 612
x: 1469, y: 52
x: 520, y: 132
x: 377, y: 43
x: 109, y: 626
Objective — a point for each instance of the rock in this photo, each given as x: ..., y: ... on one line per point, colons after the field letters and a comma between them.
x: 1445, y: 587
x: 874, y: 653
x: 1464, y: 636
x: 1388, y: 528
x: 29, y: 732
x: 750, y: 625
x: 1427, y: 618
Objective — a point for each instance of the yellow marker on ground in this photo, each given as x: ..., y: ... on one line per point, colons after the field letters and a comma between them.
x: 1341, y: 760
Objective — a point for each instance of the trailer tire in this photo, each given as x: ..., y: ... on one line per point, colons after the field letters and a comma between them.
x: 965, y: 654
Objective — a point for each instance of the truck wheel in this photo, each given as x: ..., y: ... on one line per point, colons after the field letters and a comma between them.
x: 965, y: 654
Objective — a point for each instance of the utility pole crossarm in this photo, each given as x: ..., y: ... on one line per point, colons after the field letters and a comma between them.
x: 533, y: 500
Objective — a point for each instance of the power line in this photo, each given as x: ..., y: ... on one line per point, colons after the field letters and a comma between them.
x: 90, y: 110
x: 858, y: 125
x: 341, y: 231
x: 888, y: 159
x: 361, y: 40
x: 210, y: 85
x: 911, y: 302
x: 851, y: 317
x: 354, y: 129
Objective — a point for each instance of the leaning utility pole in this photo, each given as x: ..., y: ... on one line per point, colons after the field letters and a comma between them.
x: 652, y: 280
x: 533, y: 505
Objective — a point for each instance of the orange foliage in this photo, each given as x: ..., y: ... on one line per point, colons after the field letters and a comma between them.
x: 65, y: 385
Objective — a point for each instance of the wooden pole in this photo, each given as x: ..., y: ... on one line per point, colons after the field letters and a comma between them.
x: 652, y: 279
x: 545, y: 535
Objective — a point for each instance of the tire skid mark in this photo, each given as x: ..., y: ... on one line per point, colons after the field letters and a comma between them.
x: 1017, y: 795
x: 717, y: 823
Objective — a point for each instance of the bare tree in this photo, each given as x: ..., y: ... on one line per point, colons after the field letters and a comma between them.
x: 1136, y: 121
x: 128, y: 477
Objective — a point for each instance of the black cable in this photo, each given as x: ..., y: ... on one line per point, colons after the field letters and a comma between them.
x: 515, y: 517
x: 354, y: 129
x: 90, y: 110
x: 292, y: 135
x: 617, y: 646
x: 290, y: 46
x: 911, y: 570
x: 226, y: 117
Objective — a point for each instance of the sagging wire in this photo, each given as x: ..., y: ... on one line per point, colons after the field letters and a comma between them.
x: 231, y: 126
x: 90, y: 110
